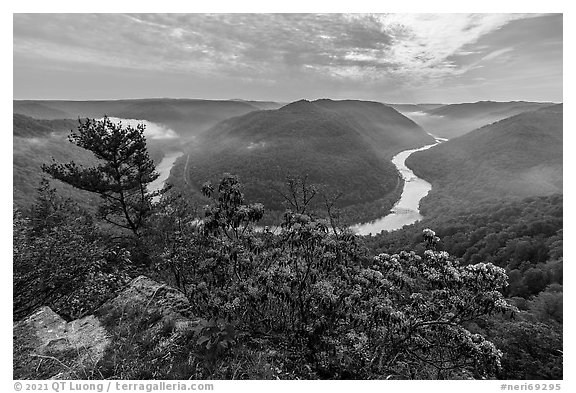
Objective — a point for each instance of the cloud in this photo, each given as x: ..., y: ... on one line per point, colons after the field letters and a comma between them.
x: 412, y: 49
x: 153, y: 130
x: 424, y: 45
x: 496, y: 53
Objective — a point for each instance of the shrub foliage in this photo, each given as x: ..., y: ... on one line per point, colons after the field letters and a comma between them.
x: 305, y: 299
x: 346, y: 314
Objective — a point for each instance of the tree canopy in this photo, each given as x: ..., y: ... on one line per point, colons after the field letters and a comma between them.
x: 121, y: 178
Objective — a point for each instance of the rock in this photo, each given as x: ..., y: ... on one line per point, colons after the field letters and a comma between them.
x: 146, y: 294
x: 48, y: 347
x: 45, y: 346
x: 46, y: 323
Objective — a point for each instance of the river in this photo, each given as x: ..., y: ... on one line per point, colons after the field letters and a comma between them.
x: 163, y: 168
x: 406, y: 210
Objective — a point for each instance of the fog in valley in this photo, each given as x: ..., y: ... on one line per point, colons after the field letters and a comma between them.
x: 288, y: 197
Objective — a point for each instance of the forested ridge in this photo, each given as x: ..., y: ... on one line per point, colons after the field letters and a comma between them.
x: 454, y: 120
x: 343, y: 147
x: 473, y: 295
x: 519, y: 156
x: 525, y: 237
x: 186, y: 116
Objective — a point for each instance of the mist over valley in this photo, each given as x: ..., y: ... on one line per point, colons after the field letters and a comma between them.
x: 288, y: 197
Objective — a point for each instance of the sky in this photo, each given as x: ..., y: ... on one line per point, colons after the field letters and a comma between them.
x: 395, y: 58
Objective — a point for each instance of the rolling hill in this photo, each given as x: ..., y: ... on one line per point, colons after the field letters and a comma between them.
x: 263, y: 105
x: 516, y: 157
x: 39, y: 110
x: 453, y: 120
x: 342, y: 145
x: 384, y: 128
x: 414, y: 107
x: 40, y: 130
x: 37, y: 142
x: 27, y: 127
x: 186, y: 116
x: 487, y: 108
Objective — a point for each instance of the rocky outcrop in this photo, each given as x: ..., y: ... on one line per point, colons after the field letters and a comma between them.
x: 144, y: 293
x: 45, y: 346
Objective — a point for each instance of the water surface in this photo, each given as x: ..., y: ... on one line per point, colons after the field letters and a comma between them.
x: 405, y: 211
x: 163, y: 168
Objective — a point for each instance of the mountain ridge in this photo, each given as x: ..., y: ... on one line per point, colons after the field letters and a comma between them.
x: 453, y: 120
x: 338, y: 144
x: 519, y: 156
x: 188, y: 117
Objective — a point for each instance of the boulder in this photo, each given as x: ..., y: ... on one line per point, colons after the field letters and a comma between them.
x: 146, y: 294
x: 48, y: 347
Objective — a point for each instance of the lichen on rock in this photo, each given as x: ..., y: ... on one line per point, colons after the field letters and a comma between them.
x: 48, y: 347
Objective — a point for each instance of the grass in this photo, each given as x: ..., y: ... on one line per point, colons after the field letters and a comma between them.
x: 54, y: 360
x: 149, y: 345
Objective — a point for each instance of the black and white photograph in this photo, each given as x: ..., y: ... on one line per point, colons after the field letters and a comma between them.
x: 287, y: 196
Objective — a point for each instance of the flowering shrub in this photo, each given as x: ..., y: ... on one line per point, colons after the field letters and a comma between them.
x: 345, y: 314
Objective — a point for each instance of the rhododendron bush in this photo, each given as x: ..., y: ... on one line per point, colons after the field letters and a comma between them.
x: 314, y: 288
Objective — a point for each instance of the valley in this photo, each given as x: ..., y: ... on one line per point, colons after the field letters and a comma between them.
x: 361, y: 150
x: 492, y: 195
x: 186, y: 117
x: 289, y: 196
x: 344, y: 147
x: 517, y: 157
x: 406, y: 210
x: 453, y: 120
x: 163, y: 168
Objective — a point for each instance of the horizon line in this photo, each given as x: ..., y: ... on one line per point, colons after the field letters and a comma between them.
x: 278, y: 102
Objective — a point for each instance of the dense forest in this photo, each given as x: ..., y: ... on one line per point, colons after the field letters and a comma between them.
x: 519, y: 156
x: 523, y: 236
x: 39, y: 141
x: 343, y: 147
x: 472, y: 295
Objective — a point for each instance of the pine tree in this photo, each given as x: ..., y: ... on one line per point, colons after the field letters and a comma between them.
x: 122, y: 176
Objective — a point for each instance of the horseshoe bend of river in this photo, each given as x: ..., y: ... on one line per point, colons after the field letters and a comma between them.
x: 405, y: 211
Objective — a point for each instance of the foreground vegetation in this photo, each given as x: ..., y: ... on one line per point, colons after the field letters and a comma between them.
x: 308, y: 300
x: 310, y: 292
x: 524, y: 237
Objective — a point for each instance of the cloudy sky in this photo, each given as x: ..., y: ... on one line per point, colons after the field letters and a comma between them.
x: 284, y: 57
